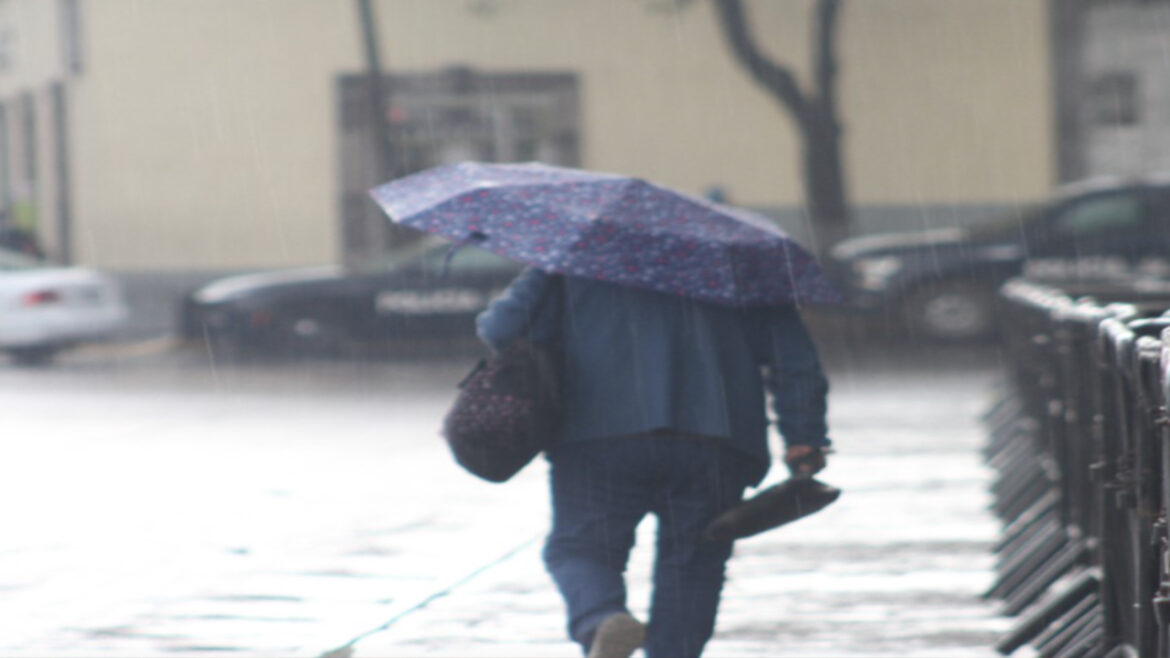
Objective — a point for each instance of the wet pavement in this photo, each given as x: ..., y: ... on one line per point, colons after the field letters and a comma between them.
x: 160, y: 503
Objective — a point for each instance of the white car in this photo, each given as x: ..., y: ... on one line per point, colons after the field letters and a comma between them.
x: 45, y: 307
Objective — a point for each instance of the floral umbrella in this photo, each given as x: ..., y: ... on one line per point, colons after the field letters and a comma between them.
x: 612, y: 228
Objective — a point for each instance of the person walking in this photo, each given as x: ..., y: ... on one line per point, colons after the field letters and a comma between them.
x: 664, y: 413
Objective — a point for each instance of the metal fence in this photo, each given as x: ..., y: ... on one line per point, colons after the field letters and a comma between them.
x: 1082, y: 482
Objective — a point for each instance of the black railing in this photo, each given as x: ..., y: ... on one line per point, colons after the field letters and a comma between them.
x: 1082, y: 477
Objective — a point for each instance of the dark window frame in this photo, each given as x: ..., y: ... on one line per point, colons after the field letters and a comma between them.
x: 1115, y: 99
x: 525, y: 111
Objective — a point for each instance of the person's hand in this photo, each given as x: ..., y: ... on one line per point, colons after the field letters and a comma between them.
x: 805, y: 460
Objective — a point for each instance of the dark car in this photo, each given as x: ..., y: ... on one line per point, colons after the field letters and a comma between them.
x: 1092, y: 235
x: 427, y: 294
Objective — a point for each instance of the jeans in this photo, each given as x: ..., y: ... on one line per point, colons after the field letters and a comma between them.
x: 602, y: 489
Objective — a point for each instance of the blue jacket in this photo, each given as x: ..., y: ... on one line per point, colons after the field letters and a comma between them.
x: 637, y: 361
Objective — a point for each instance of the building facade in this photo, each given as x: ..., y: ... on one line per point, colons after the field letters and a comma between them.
x: 190, y: 138
x: 214, y: 134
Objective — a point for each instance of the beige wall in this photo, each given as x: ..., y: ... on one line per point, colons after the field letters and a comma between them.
x: 948, y: 101
x: 29, y: 44
x: 204, y: 130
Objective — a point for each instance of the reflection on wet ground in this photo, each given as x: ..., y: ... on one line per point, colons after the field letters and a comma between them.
x: 171, y: 506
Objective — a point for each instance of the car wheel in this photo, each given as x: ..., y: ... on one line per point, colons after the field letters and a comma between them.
x: 311, y: 333
x: 952, y: 312
x: 31, y: 356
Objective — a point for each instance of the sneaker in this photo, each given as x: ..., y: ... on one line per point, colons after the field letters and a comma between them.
x: 617, y: 637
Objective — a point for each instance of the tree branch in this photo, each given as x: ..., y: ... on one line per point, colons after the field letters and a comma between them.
x: 773, y: 77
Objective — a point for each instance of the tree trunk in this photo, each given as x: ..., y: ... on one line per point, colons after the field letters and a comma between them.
x: 382, y: 234
x: 824, y: 181
x: 814, y: 113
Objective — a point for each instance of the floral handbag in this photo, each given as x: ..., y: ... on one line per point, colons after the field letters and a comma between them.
x: 507, y: 411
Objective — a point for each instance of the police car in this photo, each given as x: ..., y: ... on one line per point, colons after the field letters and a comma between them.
x: 428, y: 293
x: 1094, y: 235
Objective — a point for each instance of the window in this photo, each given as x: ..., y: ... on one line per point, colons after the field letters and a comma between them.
x: 438, y: 258
x: 1113, y: 99
x: 1160, y: 211
x: 463, y: 115
x: 1100, y: 215
x: 442, y: 117
x: 467, y: 260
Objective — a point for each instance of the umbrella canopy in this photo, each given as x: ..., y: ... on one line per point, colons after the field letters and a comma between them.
x: 611, y: 228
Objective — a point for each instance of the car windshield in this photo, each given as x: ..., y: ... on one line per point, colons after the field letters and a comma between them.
x: 397, y: 258
x: 1008, y: 225
x: 14, y: 260
x: 434, y: 257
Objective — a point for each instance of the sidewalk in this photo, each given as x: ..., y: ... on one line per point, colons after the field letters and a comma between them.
x: 895, y: 568
x: 171, y: 507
